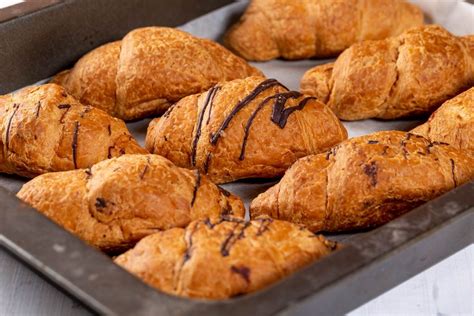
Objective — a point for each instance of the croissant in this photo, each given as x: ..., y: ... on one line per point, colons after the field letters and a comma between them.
x: 148, y: 70
x: 316, y: 28
x: 364, y: 182
x: 245, y: 128
x: 43, y: 129
x: 218, y: 259
x: 121, y: 200
x: 411, y: 74
x: 452, y: 123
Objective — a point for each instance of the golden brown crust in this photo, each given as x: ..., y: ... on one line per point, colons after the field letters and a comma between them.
x: 365, y: 182
x: 223, y: 258
x: 119, y: 201
x: 452, y: 123
x: 316, y: 28
x: 228, y: 138
x: 43, y: 129
x: 408, y: 75
x: 148, y: 70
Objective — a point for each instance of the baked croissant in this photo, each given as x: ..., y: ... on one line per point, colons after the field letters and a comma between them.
x: 316, y: 28
x: 218, y: 259
x: 452, y: 123
x: 121, y: 200
x: 365, y: 182
x: 150, y: 69
x: 411, y: 74
x: 246, y: 128
x: 43, y: 129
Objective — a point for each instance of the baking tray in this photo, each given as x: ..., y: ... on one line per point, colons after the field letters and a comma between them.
x: 39, y: 44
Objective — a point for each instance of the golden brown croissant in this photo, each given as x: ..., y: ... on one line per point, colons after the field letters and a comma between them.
x: 119, y: 201
x: 150, y: 69
x: 218, y: 259
x: 316, y: 28
x: 44, y: 129
x: 246, y: 128
x: 452, y: 123
x: 365, y: 182
x: 408, y: 75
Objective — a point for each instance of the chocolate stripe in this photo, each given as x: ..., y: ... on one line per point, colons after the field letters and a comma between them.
x: 61, y: 107
x: 225, y: 247
x: 280, y: 103
x: 280, y: 114
x: 196, y: 186
x: 38, y: 108
x: 207, y: 162
x: 74, y: 143
x: 209, y: 98
x: 241, y: 104
x: 10, y: 120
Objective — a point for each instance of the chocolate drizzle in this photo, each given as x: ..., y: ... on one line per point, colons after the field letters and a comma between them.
x: 145, y: 170
x: 189, y: 243
x: 232, y: 238
x: 38, y: 108
x: 9, y: 125
x: 74, y: 143
x: 209, y: 98
x: 62, y: 107
x: 207, y: 162
x: 88, y: 172
x: 209, y: 224
x: 279, y: 116
x: 109, y: 152
x: 241, y: 104
x: 142, y: 174
x: 196, y: 187
x: 371, y: 171
x: 225, y: 245
x: 100, y: 202
x: 264, y: 226
x: 243, y: 271
x: 168, y: 112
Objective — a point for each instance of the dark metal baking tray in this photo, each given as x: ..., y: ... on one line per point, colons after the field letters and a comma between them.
x: 39, y: 44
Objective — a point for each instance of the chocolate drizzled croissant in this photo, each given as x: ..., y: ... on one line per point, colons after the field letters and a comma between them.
x: 218, y: 259
x: 246, y: 128
x: 44, y: 129
x: 316, y: 28
x: 365, y: 182
x: 148, y: 70
x: 119, y: 201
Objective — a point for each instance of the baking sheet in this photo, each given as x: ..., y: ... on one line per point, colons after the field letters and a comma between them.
x: 457, y: 16
x: 369, y: 264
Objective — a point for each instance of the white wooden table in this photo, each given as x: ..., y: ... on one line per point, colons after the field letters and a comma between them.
x: 445, y: 289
